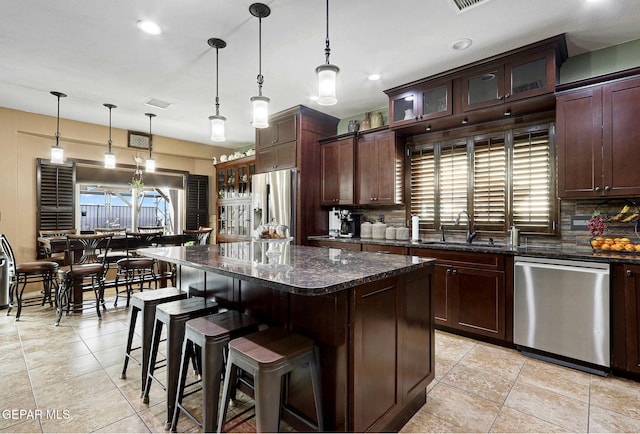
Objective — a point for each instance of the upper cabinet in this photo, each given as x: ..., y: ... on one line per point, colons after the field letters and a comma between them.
x: 337, y: 171
x: 379, y: 169
x: 518, y: 82
x: 597, y: 139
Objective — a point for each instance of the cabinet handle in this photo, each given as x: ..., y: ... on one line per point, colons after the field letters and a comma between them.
x: 500, y: 96
x: 607, y: 188
x: 448, y: 271
x: 598, y: 189
x: 274, y: 141
x: 629, y: 273
x: 454, y: 272
x: 507, y: 95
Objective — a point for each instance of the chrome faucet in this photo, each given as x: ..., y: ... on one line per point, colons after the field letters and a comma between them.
x: 470, y: 235
x: 441, y: 229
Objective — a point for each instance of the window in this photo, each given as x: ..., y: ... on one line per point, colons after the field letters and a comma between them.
x: 501, y: 178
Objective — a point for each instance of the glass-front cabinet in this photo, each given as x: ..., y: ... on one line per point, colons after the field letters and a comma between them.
x: 233, y: 186
x: 522, y: 77
x: 428, y: 101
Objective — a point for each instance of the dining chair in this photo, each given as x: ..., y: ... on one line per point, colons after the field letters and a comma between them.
x: 86, y: 272
x: 45, y: 251
x: 201, y: 235
x: 135, y: 269
x: 21, y: 274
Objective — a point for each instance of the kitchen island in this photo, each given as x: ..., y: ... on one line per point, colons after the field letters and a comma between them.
x: 371, y: 316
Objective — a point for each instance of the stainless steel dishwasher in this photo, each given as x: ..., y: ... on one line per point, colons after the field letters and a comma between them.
x: 561, y: 308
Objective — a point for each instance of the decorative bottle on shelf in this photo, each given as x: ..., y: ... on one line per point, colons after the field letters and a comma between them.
x: 376, y: 120
x: 366, y: 122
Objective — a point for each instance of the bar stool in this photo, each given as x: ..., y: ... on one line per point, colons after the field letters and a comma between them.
x: 135, y: 269
x: 146, y: 303
x: 269, y: 355
x: 174, y: 315
x: 27, y: 272
x: 211, y: 335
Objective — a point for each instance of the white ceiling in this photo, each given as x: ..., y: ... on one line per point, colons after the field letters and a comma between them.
x: 92, y: 51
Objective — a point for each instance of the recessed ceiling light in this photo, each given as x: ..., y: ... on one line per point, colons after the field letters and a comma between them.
x: 374, y: 77
x: 149, y: 27
x: 462, y: 44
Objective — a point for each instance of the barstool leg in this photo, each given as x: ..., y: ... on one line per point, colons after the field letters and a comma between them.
x: 182, y: 381
x: 155, y: 343
x: 211, y: 370
x: 19, y: 296
x: 268, y: 389
x: 230, y: 378
x: 133, y: 316
x: 315, y: 384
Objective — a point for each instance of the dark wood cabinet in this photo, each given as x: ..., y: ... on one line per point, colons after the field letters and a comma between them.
x: 427, y: 101
x: 597, y: 138
x: 384, y: 248
x: 379, y: 169
x: 280, y: 130
x: 470, y: 292
x: 625, y: 327
x: 335, y: 244
x: 337, y: 172
x: 277, y: 157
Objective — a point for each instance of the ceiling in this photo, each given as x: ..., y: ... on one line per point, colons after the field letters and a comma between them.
x: 92, y: 51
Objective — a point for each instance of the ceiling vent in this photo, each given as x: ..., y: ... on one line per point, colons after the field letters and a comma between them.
x: 154, y: 102
x: 464, y: 5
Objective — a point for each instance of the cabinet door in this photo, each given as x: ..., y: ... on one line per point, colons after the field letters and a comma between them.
x: 579, y: 141
x: 387, y: 169
x: 483, y: 88
x: 531, y: 75
x: 621, y: 137
x: 285, y: 156
x: 266, y: 159
x: 336, y: 163
x: 435, y: 100
x: 403, y: 108
x: 379, y: 169
x: 632, y: 316
x: 479, y: 304
x: 375, y: 352
x: 279, y: 131
x: 442, y: 295
x: 367, y: 170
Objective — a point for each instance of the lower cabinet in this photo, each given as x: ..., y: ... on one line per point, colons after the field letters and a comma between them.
x: 382, y: 248
x: 334, y: 244
x: 625, y: 302
x: 470, y: 292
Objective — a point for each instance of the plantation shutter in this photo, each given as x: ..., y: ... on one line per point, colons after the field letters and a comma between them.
x: 532, y: 182
x: 454, y: 172
x: 197, y: 206
x: 490, y: 183
x: 55, y: 198
x: 423, y: 185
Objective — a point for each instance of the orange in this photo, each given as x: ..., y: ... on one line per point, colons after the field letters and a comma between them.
x: 595, y: 244
x: 605, y: 246
x: 629, y: 248
x: 637, y: 246
x: 625, y: 240
x: 608, y: 241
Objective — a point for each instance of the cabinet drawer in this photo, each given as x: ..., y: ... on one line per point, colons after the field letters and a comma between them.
x: 490, y: 261
x: 381, y: 248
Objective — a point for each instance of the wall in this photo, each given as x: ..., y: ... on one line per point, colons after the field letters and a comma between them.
x: 27, y: 136
x: 605, y: 61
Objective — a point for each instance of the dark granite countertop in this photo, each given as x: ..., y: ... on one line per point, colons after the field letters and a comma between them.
x: 558, y: 251
x: 298, y: 269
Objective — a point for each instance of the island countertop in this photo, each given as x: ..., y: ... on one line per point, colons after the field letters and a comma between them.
x: 301, y: 270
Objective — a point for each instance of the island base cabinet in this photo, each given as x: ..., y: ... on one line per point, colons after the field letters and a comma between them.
x: 626, y: 318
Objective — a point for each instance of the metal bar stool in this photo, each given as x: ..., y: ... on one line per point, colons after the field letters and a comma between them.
x: 27, y: 272
x: 268, y: 356
x: 146, y: 303
x: 211, y: 335
x: 135, y: 269
x: 174, y: 315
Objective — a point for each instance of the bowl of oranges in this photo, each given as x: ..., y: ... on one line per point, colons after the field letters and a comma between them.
x: 617, y: 245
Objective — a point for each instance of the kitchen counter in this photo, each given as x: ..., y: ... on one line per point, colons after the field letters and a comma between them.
x: 559, y: 251
x: 354, y: 305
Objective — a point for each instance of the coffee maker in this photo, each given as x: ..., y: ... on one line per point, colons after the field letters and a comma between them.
x: 350, y: 224
x: 334, y: 223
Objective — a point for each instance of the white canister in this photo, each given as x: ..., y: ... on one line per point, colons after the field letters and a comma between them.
x: 379, y: 230
x: 403, y: 234
x: 366, y: 229
x: 390, y: 233
x: 515, y: 236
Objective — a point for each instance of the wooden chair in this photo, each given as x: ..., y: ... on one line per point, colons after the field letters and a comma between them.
x: 85, y: 270
x: 20, y: 274
x: 201, y: 235
x: 45, y: 251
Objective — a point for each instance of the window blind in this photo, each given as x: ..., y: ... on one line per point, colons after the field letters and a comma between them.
x: 423, y: 185
x: 490, y: 183
x: 453, y: 180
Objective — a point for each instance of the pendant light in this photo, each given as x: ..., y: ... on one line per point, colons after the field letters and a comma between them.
x: 260, y: 103
x: 327, y: 74
x: 109, y: 157
x: 57, y: 152
x: 150, y: 165
x: 217, y: 121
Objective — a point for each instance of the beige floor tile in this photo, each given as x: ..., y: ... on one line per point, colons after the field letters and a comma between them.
x: 73, y: 390
x: 11, y: 383
x: 455, y: 347
x: 107, y: 342
x: 499, y: 361
x: 110, y: 357
x: 61, y: 370
x: 20, y: 400
x: 568, y: 413
x: 565, y: 381
x: 102, y: 328
x: 616, y: 394
x: 131, y: 424
x: 602, y: 420
x: 12, y: 360
x: 489, y: 386
x: 27, y: 426
x: 424, y: 422
x: 48, y: 355
x: 464, y: 409
x: 513, y: 421
x: 443, y: 366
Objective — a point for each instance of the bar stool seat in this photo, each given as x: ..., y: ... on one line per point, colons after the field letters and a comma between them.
x: 268, y: 356
x: 174, y: 315
x: 210, y: 334
x: 146, y: 303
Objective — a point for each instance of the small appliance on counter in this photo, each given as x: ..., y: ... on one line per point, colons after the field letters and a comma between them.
x: 350, y: 224
x: 334, y: 223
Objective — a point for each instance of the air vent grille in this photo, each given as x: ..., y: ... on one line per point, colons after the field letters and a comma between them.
x: 463, y: 5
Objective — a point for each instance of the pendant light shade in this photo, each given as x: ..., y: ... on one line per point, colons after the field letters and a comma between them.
x: 109, y: 157
x: 57, y: 152
x: 327, y: 74
x: 150, y: 164
x: 260, y: 103
x: 217, y: 121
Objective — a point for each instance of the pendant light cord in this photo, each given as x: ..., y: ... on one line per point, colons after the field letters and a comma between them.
x: 151, y: 115
x: 109, y: 142
x: 260, y: 77
x: 58, y: 123
x: 327, y: 49
x: 217, y: 98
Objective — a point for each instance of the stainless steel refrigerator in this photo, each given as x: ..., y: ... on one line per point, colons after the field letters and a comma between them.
x: 273, y: 199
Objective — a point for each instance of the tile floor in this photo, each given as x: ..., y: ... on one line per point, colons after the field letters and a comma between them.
x: 66, y: 379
